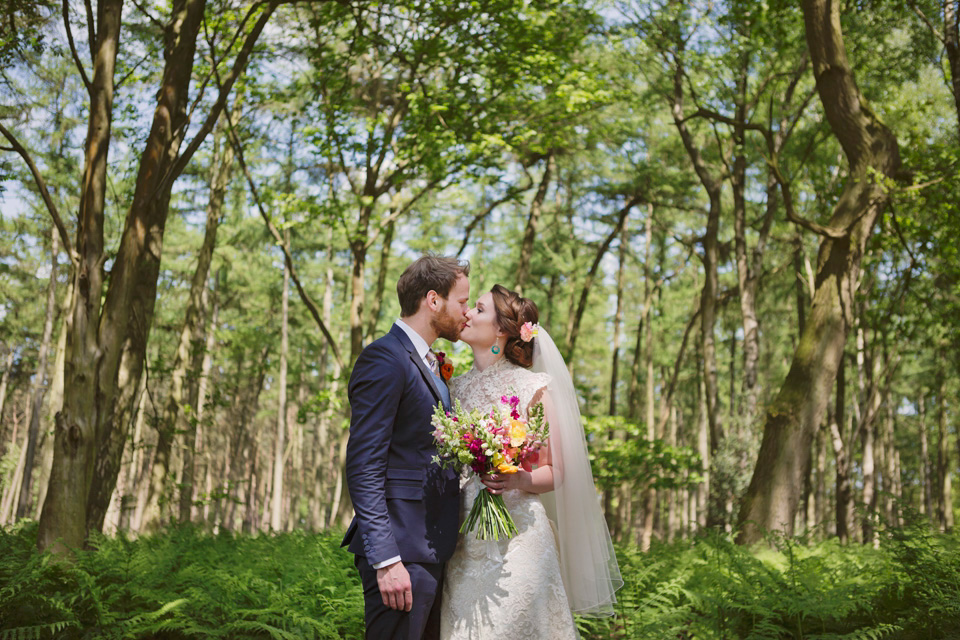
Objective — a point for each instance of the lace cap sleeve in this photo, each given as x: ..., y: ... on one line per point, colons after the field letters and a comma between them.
x: 532, y: 383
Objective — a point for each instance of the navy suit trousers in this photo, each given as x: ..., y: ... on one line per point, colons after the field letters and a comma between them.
x: 422, y: 621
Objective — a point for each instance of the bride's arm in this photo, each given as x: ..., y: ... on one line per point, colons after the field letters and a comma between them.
x: 541, y: 479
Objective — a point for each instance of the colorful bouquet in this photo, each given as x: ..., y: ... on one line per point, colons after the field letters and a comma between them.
x: 498, y: 441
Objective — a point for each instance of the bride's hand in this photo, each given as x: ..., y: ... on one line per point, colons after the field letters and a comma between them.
x: 497, y: 483
x: 540, y: 480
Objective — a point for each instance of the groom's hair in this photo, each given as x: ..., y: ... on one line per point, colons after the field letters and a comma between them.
x: 428, y: 273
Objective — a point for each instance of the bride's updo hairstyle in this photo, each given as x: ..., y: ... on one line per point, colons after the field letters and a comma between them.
x: 513, y: 311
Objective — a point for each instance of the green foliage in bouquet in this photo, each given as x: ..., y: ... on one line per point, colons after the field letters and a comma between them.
x: 500, y: 441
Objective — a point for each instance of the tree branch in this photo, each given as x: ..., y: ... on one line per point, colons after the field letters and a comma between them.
x: 91, y: 29
x: 154, y: 21
x: 402, y: 210
x: 917, y: 10
x: 511, y: 194
x: 73, y: 46
x: 44, y: 193
x: 238, y: 67
x: 792, y: 215
x: 278, y: 239
x: 733, y: 122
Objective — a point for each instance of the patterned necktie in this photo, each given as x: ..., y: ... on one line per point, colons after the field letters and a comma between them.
x: 432, y: 361
x: 440, y: 383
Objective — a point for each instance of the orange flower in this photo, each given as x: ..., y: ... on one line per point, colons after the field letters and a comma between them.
x: 506, y: 467
x: 446, y: 370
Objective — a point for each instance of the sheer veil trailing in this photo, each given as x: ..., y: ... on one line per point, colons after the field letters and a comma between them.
x: 587, y: 560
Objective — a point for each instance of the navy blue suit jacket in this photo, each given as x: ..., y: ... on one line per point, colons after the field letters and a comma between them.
x: 405, y: 504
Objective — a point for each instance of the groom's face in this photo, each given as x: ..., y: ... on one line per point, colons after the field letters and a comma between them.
x: 449, y: 318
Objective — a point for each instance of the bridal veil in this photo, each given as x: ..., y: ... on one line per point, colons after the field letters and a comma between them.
x: 588, y: 564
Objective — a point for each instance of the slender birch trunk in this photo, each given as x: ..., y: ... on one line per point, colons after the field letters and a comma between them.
x: 279, y: 443
x: 39, y: 384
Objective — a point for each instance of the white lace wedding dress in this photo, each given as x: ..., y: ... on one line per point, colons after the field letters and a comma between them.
x: 511, y: 588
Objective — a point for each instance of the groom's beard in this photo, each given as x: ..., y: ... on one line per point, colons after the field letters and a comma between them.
x: 445, y: 326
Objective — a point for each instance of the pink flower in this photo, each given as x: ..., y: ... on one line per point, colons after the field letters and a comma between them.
x: 529, y: 331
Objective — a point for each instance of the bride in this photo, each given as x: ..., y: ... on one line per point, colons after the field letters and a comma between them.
x: 562, y: 561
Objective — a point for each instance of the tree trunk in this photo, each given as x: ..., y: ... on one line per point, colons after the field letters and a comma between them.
x: 191, y: 350
x: 375, y: 305
x: 63, y: 523
x: 533, y: 224
x: 8, y: 502
x: 889, y: 462
x: 4, y: 382
x: 54, y: 404
x: 617, y: 318
x: 357, y: 287
x: 645, y: 313
x: 36, y: 400
x: 276, y: 505
x: 674, y: 510
x: 106, y: 348
x: 868, y: 435
x: 944, y: 481
x: 710, y: 258
x: 819, y: 517
x: 592, y: 275
x: 844, y: 512
x: 926, y: 485
x: 951, y: 40
x: 703, y: 448
x: 201, y: 450
x: 131, y: 295
x: 144, y: 472
x: 772, y: 497
x: 747, y: 277
x: 134, y: 474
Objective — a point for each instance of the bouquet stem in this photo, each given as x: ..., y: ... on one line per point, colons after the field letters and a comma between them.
x: 490, y: 518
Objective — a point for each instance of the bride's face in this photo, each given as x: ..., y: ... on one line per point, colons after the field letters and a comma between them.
x: 480, y: 328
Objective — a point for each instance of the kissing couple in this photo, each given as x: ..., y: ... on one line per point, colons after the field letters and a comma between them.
x: 421, y: 579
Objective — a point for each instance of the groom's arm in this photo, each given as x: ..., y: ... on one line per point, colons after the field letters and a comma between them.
x: 375, y: 389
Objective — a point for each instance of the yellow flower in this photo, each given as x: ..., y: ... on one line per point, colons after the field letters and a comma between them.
x: 498, y: 459
x: 518, y: 433
x: 508, y: 468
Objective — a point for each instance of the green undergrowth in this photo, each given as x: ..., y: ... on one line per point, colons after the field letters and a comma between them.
x: 711, y: 588
x: 183, y: 583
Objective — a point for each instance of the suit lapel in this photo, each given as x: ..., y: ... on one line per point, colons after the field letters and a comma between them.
x: 418, y: 361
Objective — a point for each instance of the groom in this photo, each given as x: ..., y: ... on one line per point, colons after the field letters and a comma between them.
x: 407, y: 508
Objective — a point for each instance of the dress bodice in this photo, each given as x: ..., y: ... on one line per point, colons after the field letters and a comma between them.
x: 482, y: 389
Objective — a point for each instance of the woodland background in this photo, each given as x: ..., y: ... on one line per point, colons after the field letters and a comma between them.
x: 739, y: 221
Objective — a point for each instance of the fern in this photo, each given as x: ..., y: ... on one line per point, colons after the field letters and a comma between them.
x: 35, y: 632
x: 183, y: 583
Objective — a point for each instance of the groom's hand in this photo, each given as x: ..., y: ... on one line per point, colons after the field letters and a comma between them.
x: 395, y: 587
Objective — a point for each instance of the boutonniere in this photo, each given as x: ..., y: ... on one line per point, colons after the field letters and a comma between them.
x: 446, y: 368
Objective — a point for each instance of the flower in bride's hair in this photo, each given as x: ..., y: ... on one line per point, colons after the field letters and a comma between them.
x: 529, y: 331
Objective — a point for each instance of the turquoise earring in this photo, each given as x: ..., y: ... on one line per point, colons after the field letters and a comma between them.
x: 495, y: 349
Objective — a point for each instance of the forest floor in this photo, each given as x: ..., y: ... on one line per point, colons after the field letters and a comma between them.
x: 184, y: 583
